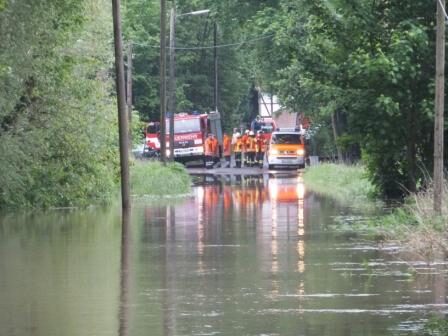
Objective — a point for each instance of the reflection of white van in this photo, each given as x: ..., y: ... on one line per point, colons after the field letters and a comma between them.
x: 287, y: 149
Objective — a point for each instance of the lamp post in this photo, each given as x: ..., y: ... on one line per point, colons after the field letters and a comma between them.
x: 172, y: 72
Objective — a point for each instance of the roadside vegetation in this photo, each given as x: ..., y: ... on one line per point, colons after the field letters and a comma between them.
x: 413, y: 224
x: 58, y: 125
x: 435, y: 326
x: 416, y: 225
x: 346, y: 184
x: 362, y: 71
x: 156, y: 180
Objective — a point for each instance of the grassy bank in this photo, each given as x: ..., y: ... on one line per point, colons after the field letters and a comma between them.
x: 154, y: 179
x: 413, y: 224
x: 348, y: 185
x: 417, y: 226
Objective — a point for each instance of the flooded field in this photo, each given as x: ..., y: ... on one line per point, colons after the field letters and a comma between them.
x: 243, y: 255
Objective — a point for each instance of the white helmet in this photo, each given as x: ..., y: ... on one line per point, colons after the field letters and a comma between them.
x: 237, y: 134
x: 246, y: 131
x: 251, y: 133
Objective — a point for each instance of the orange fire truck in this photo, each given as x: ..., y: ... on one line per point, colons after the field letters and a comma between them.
x: 152, y: 141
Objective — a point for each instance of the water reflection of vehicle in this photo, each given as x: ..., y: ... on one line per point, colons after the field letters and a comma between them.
x: 286, y: 189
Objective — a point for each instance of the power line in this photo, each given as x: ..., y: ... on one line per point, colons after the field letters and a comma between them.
x: 443, y: 9
x: 262, y: 37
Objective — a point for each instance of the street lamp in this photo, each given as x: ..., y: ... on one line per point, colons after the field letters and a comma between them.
x: 172, y: 71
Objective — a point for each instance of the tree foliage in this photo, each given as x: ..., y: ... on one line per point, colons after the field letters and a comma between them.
x: 57, y: 139
x: 194, y: 56
x: 362, y: 69
x: 368, y: 62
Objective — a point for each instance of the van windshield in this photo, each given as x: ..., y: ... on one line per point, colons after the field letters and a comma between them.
x: 286, y: 139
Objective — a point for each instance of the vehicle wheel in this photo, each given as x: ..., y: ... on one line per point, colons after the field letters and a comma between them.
x: 270, y: 167
x: 302, y: 166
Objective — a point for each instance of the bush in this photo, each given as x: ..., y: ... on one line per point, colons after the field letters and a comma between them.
x: 345, y: 184
x: 417, y: 226
x: 153, y: 178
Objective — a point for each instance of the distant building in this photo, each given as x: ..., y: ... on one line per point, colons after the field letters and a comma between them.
x: 268, y: 104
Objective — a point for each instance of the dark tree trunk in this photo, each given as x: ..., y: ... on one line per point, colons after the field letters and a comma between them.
x: 411, y: 151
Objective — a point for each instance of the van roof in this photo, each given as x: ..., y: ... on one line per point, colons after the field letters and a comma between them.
x: 290, y: 130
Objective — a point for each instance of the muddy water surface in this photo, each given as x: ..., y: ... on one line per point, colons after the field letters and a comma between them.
x: 253, y: 255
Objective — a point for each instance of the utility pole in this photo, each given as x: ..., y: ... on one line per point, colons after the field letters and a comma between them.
x: 215, y: 56
x: 162, y: 81
x: 129, y: 91
x: 439, y: 107
x: 172, y: 82
x: 121, y: 104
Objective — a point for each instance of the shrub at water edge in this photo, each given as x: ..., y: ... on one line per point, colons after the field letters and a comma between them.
x: 346, y: 184
x: 155, y: 179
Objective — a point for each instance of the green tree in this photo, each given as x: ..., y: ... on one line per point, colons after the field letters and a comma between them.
x: 195, y: 64
x: 369, y: 63
x: 57, y: 121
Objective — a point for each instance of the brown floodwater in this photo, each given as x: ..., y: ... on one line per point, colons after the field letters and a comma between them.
x: 242, y: 255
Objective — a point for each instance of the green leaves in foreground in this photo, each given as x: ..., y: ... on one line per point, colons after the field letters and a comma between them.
x: 157, y: 180
x: 58, y: 124
x: 435, y: 326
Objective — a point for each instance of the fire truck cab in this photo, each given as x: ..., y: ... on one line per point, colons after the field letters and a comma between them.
x: 190, y: 132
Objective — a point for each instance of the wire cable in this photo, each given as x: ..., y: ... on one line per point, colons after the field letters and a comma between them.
x: 210, y: 47
x: 443, y: 9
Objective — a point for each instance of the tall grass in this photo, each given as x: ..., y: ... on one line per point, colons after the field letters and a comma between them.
x: 417, y: 225
x: 414, y: 224
x: 348, y: 185
x: 154, y: 179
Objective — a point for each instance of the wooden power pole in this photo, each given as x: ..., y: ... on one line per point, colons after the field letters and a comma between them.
x: 163, y: 81
x: 172, y: 82
x: 439, y: 106
x: 121, y: 103
x: 215, y: 57
x: 129, y: 91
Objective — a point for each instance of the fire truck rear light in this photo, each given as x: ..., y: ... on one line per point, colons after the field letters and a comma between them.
x: 198, y: 141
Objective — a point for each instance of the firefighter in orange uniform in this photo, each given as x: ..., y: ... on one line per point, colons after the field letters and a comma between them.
x: 237, y: 150
x: 244, y: 139
x: 215, y: 148
x: 251, y: 149
x: 211, y: 150
x: 227, y: 148
x: 261, y: 148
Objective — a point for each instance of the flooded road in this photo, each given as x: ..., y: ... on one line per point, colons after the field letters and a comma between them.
x: 252, y: 255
